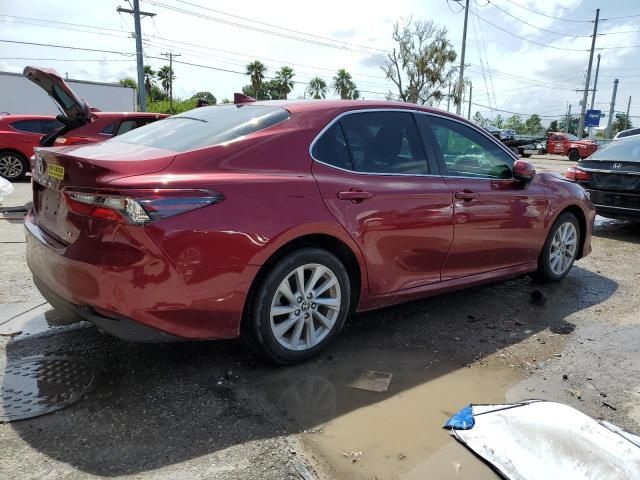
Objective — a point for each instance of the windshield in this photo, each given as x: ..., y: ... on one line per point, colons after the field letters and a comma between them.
x: 205, y: 126
x: 626, y: 150
x: 572, y: 137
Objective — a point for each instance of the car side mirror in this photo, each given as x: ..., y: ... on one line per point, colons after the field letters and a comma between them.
x: 523, y: 171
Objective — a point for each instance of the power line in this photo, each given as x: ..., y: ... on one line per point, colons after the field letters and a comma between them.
x: 516, y: 113
x: 526, y: 39
x: 277, y: 26
x: 532, y: 25
x: 548, y: 16
x: 624, y: 17
x: 262, y: 30
x: 67, y: 47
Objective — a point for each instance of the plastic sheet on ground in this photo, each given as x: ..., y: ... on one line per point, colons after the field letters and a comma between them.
x: 538, y: 440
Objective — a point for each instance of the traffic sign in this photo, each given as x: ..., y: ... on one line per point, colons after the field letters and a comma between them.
x: 592, y: 118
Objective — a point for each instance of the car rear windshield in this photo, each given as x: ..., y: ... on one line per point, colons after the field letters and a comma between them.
x: 626, y: 150
x: 205, y: 126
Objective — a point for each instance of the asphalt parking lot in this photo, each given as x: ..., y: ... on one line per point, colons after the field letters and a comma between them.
x: 213, y: 410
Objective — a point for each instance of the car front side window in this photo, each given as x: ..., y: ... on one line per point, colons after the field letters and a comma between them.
x: 466, y: 152
x: 384, y: 143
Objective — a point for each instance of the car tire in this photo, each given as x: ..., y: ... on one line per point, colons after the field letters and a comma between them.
x: 574, y: 156
x: 13, y: 165
x: 560, y: 249
x: 287, y: 325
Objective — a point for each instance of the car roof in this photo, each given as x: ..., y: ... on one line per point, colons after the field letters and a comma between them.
x: 302, y: 105
x: 129, y: 114
x: 13, y: 117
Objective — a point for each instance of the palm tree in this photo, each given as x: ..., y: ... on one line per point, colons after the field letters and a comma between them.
x: 344, y: 85
x: 317, y: 88
x: 256, y: 71
x: 284, y: 80
x: 166, y: 76
x: 149, y: 79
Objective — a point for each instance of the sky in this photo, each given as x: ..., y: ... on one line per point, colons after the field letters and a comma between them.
x: 523, y: 56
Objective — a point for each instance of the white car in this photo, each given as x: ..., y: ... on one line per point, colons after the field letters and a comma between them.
x: 631, y: 132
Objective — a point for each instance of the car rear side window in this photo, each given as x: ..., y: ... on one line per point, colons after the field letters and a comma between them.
x: 627, y: 150
x: 467, y: 152
x: 331, y: 148
x: 384, y: 143
x: 205, y: 126
x: 37, y: 126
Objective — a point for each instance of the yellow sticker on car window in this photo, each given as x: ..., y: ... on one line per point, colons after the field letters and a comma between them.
x: 55, y: 171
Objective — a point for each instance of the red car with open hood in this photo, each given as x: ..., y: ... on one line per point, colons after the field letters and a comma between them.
x: 274, y: 221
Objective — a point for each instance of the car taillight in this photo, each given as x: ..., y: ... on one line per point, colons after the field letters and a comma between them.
x: 70, y: 140
x: 576, y: 175
x: 138, y: 207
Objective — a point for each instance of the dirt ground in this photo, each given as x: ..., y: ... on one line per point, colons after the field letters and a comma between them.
x: 212, y: 410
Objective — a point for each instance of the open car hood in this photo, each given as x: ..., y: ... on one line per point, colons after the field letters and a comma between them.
x: 76, y: 110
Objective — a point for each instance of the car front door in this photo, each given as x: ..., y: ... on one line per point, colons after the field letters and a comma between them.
x: 375, y: 178
x: 498, y: 220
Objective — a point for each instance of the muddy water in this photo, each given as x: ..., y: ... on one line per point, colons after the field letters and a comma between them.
x: 397, y: 434
x: 41, y: 320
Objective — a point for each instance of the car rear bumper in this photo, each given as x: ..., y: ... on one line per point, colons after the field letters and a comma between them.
x: 616, y: 203
x: 147, y: 299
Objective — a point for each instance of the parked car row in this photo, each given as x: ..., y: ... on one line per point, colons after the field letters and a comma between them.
x: 20, y: 134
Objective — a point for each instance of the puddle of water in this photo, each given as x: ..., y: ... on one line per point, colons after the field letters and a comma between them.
x: 392, y: 434
x: 40, y: 321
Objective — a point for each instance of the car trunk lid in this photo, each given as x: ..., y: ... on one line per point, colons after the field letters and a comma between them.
x: 70, y: 104
x: 91, y: 166
x: 612, y: 175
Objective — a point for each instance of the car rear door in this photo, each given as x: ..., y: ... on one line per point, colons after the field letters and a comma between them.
x: 498, y: 221
x: 375, y: 178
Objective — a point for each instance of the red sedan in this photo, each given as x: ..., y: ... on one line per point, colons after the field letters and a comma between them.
x: 275, y: 220
x: 20, y: 134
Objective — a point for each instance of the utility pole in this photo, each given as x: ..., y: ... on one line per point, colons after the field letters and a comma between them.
x: 142, y: 95
x: 612, y: 108
x: 626, y: 119
x: 585, y: 94
x: 449, y: 96
x: 464, y: 44
x: 170, y: 55
x: 470, y: 94
x: 593, y: 92
x: 568, y: 120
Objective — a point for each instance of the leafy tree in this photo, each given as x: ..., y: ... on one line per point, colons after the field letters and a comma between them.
x: 179, y: 106
x: 498, y: 122
x: 284, y: 81
x: 533, y: 125
x: 422, y: 62
x: 256, y: 71
x: 166, y: 77
x: 553, y: 126
x: 478, y: 119
x: 573, y: 124
x: 620, y: 123
x: 344, y: 85
x: 128, y: 82
x: 208, y: 96
x: 317, y: 88
x: 149, y: 80
x: 514, y: 122
x: 226, y: 100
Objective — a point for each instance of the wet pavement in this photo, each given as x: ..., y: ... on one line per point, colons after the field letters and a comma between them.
x: 213, y: 410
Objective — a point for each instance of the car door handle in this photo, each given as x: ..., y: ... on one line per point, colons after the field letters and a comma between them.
x: 466, y: 196
x: 354, y: 195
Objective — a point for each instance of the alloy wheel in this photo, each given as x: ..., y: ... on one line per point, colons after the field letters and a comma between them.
x: 305, y: 307
x: 563, y: 248
x: 11, y: 166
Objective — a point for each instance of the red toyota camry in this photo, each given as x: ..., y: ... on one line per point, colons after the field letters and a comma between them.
x: 275, y: 220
